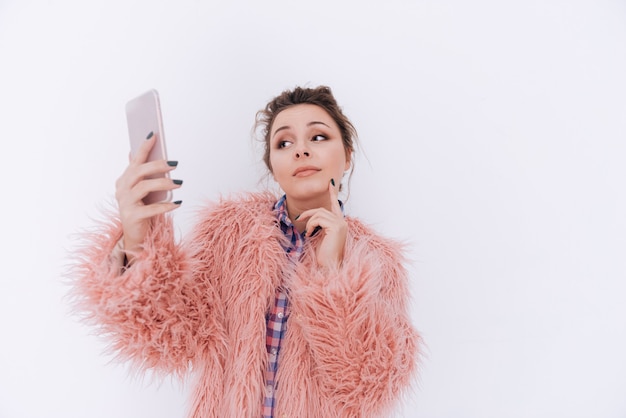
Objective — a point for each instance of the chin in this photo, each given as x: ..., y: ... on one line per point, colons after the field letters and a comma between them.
x: 305, y: 193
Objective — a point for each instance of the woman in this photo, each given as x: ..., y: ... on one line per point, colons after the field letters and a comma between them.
x: 281, y: 307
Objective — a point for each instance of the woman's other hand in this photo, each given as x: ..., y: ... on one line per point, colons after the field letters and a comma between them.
x: 332, y: 225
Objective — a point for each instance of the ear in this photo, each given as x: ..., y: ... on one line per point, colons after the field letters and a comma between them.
x: 348, y: 161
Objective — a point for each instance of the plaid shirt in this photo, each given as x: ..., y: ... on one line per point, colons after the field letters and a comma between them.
x: 277, y: 317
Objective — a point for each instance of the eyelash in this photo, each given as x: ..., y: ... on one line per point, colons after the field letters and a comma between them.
x: 282, y: 144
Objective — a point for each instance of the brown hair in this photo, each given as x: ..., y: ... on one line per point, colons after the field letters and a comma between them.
x: 320, y: 96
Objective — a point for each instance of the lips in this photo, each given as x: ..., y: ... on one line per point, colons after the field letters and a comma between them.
x: 305, y: 171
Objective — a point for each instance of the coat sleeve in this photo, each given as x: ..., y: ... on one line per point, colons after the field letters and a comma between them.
x: 155, y: 312
x: 356, y: 323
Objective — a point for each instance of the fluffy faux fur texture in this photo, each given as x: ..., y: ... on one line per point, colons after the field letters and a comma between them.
x: 200, y: 306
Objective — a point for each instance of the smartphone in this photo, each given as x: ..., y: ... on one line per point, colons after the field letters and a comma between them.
x: 143, y: 115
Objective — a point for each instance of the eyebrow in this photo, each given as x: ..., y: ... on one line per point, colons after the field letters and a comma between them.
x: 315, y: 122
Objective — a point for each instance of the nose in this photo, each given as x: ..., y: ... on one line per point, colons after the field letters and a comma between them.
x: 301, y: 151
x: 302, y: 154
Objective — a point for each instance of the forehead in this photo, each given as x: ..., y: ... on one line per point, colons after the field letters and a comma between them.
x: 301, y: 115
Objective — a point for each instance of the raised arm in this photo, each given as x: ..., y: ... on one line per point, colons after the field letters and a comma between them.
x: 146, y: 307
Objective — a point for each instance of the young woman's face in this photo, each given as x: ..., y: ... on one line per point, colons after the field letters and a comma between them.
x: 306, y: 151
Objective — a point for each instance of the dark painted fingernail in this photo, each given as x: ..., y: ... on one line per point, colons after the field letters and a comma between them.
x: 332, y: 181
x: 179, y: 182
x: 150, y: 135
x: 172, y: 163
x: 316, y: 230
x: 177, y: 202
x: 296, y: 218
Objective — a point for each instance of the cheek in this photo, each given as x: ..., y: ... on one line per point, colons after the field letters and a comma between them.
x: 277, y: 165
x: 341, y: 162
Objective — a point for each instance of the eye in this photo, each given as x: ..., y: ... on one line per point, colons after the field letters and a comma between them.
x: 317, y: 138
x: 283, y: 144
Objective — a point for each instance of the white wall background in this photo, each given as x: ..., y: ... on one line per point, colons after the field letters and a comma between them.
x: 495, y: 134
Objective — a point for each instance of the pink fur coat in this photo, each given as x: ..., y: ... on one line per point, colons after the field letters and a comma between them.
x: 199, y: 307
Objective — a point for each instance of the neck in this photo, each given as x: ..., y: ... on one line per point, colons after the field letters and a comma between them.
x: 295, y: 207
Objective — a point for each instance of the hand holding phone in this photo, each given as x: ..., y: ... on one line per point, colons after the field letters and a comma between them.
x: 144, y: 189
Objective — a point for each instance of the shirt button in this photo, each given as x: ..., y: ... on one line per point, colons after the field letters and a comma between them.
x: 269, y: 390
x: 274, y: 351
x: 280, y: 315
